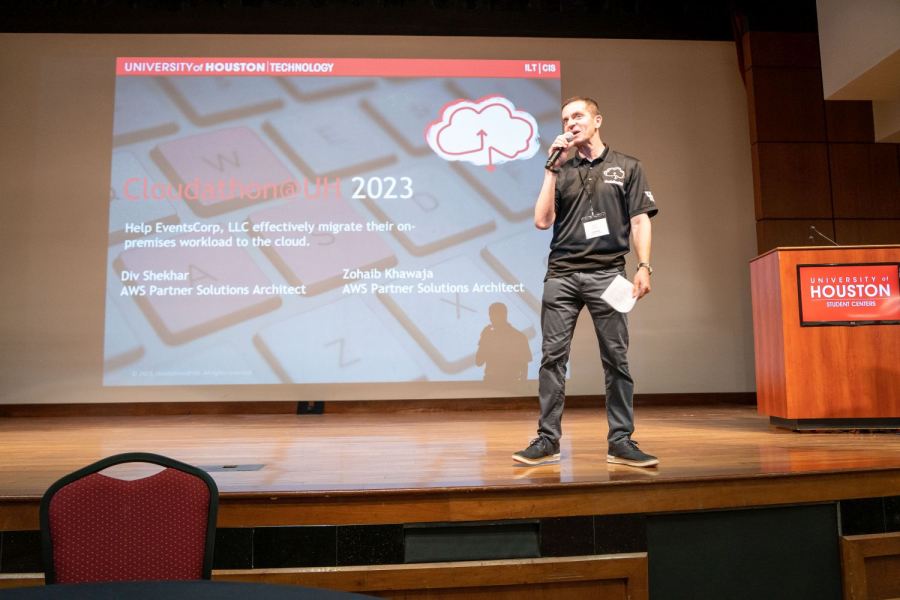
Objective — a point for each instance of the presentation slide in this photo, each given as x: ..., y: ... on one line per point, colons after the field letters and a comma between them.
x: 341, y: 220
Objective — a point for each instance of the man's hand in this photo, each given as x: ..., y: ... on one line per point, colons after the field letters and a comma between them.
x: 559, y: 142
x: 641, y: 284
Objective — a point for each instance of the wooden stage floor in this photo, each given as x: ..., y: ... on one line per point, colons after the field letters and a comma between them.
x: 456, y: 466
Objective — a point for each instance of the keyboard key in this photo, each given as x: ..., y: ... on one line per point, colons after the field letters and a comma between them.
x: 234, y: 162
x: 320, y: 265
x: 310, y: 89
x: 406, y: 111
x: 444, y: 210
x: 522, y: 258
x: 128, y: 177
x: 139, y: 113
x: 448, y: 325
x: 211, y: 100
x: 525, y: 95
x: 120, y: 344
x: 333, y: 141
x: 178, y: 318
x: 341, y: 342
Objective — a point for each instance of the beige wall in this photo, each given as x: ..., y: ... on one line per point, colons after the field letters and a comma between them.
x: 860, y: 48
x: 678, y: 106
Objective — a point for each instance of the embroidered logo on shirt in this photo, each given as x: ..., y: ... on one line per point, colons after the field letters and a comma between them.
x: 649, y: 195
x: 614, y: 175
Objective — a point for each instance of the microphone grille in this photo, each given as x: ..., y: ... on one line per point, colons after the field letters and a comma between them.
x: 570, y: 136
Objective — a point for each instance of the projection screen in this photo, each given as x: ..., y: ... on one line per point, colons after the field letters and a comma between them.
x: 327, y: 218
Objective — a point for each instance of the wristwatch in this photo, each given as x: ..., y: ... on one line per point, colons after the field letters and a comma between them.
x: 649, y: 268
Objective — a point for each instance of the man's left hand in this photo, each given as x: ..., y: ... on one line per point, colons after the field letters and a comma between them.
x: 641, y: 284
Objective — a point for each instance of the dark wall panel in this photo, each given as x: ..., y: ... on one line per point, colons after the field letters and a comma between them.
x: 780, y: 49
x: 785, y: 105
x: 848, y: 186
x: 773, y: 233
x: 787, y: 553
x: 791, y: 181
x: 865, y: 179
x: 849, y: 121
x: 859, y: 232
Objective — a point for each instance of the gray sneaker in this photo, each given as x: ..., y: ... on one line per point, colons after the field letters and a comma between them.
x: 626, y: 452
x: 540, y: 451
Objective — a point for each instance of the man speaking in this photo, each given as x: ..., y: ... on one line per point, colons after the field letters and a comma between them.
x: 593, y: 201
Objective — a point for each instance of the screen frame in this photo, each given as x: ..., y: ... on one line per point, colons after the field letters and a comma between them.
x: 842, y: 323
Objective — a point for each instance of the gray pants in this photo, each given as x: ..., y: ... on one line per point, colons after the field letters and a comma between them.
x: 564, y: 297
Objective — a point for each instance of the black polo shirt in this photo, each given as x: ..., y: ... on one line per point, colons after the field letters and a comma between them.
x: 615, y: 186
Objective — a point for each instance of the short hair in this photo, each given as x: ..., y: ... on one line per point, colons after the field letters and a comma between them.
x: 589, y: 104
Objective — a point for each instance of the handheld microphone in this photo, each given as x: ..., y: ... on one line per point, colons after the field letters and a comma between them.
x: 553, y: 157
x: 813, y: 227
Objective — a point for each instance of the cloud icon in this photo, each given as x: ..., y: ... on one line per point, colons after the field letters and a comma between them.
x: 614, y: 172
x: 486, y: 133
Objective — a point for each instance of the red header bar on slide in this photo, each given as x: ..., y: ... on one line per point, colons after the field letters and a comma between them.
x: 336, y: 67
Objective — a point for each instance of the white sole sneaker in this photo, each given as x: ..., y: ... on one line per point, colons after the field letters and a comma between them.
x: 536, y: 461
x: 631, y: 463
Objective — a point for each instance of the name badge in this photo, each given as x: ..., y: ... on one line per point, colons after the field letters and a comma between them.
x: 595, y: 226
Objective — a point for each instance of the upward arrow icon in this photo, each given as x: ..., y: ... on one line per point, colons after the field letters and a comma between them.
x: 490, y: 166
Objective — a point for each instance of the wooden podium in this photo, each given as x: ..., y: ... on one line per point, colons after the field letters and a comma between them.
x: 821, y: 377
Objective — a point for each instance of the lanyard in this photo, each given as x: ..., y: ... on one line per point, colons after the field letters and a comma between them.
x: 589, y: 189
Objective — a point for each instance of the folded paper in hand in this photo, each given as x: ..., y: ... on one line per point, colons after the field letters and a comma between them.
x: 618, y: 294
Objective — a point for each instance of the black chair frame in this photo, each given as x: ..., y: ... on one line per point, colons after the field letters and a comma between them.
x: 128, y: 457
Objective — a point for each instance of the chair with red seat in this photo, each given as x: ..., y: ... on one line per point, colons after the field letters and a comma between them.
x: 99, y: 528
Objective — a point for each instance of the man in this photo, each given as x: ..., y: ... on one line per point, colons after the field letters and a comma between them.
x: 593, y: 202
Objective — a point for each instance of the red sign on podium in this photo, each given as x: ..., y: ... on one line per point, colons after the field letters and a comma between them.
x: 860, y: 294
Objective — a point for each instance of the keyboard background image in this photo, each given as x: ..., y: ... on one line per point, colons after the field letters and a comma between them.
x: 472, y: 226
